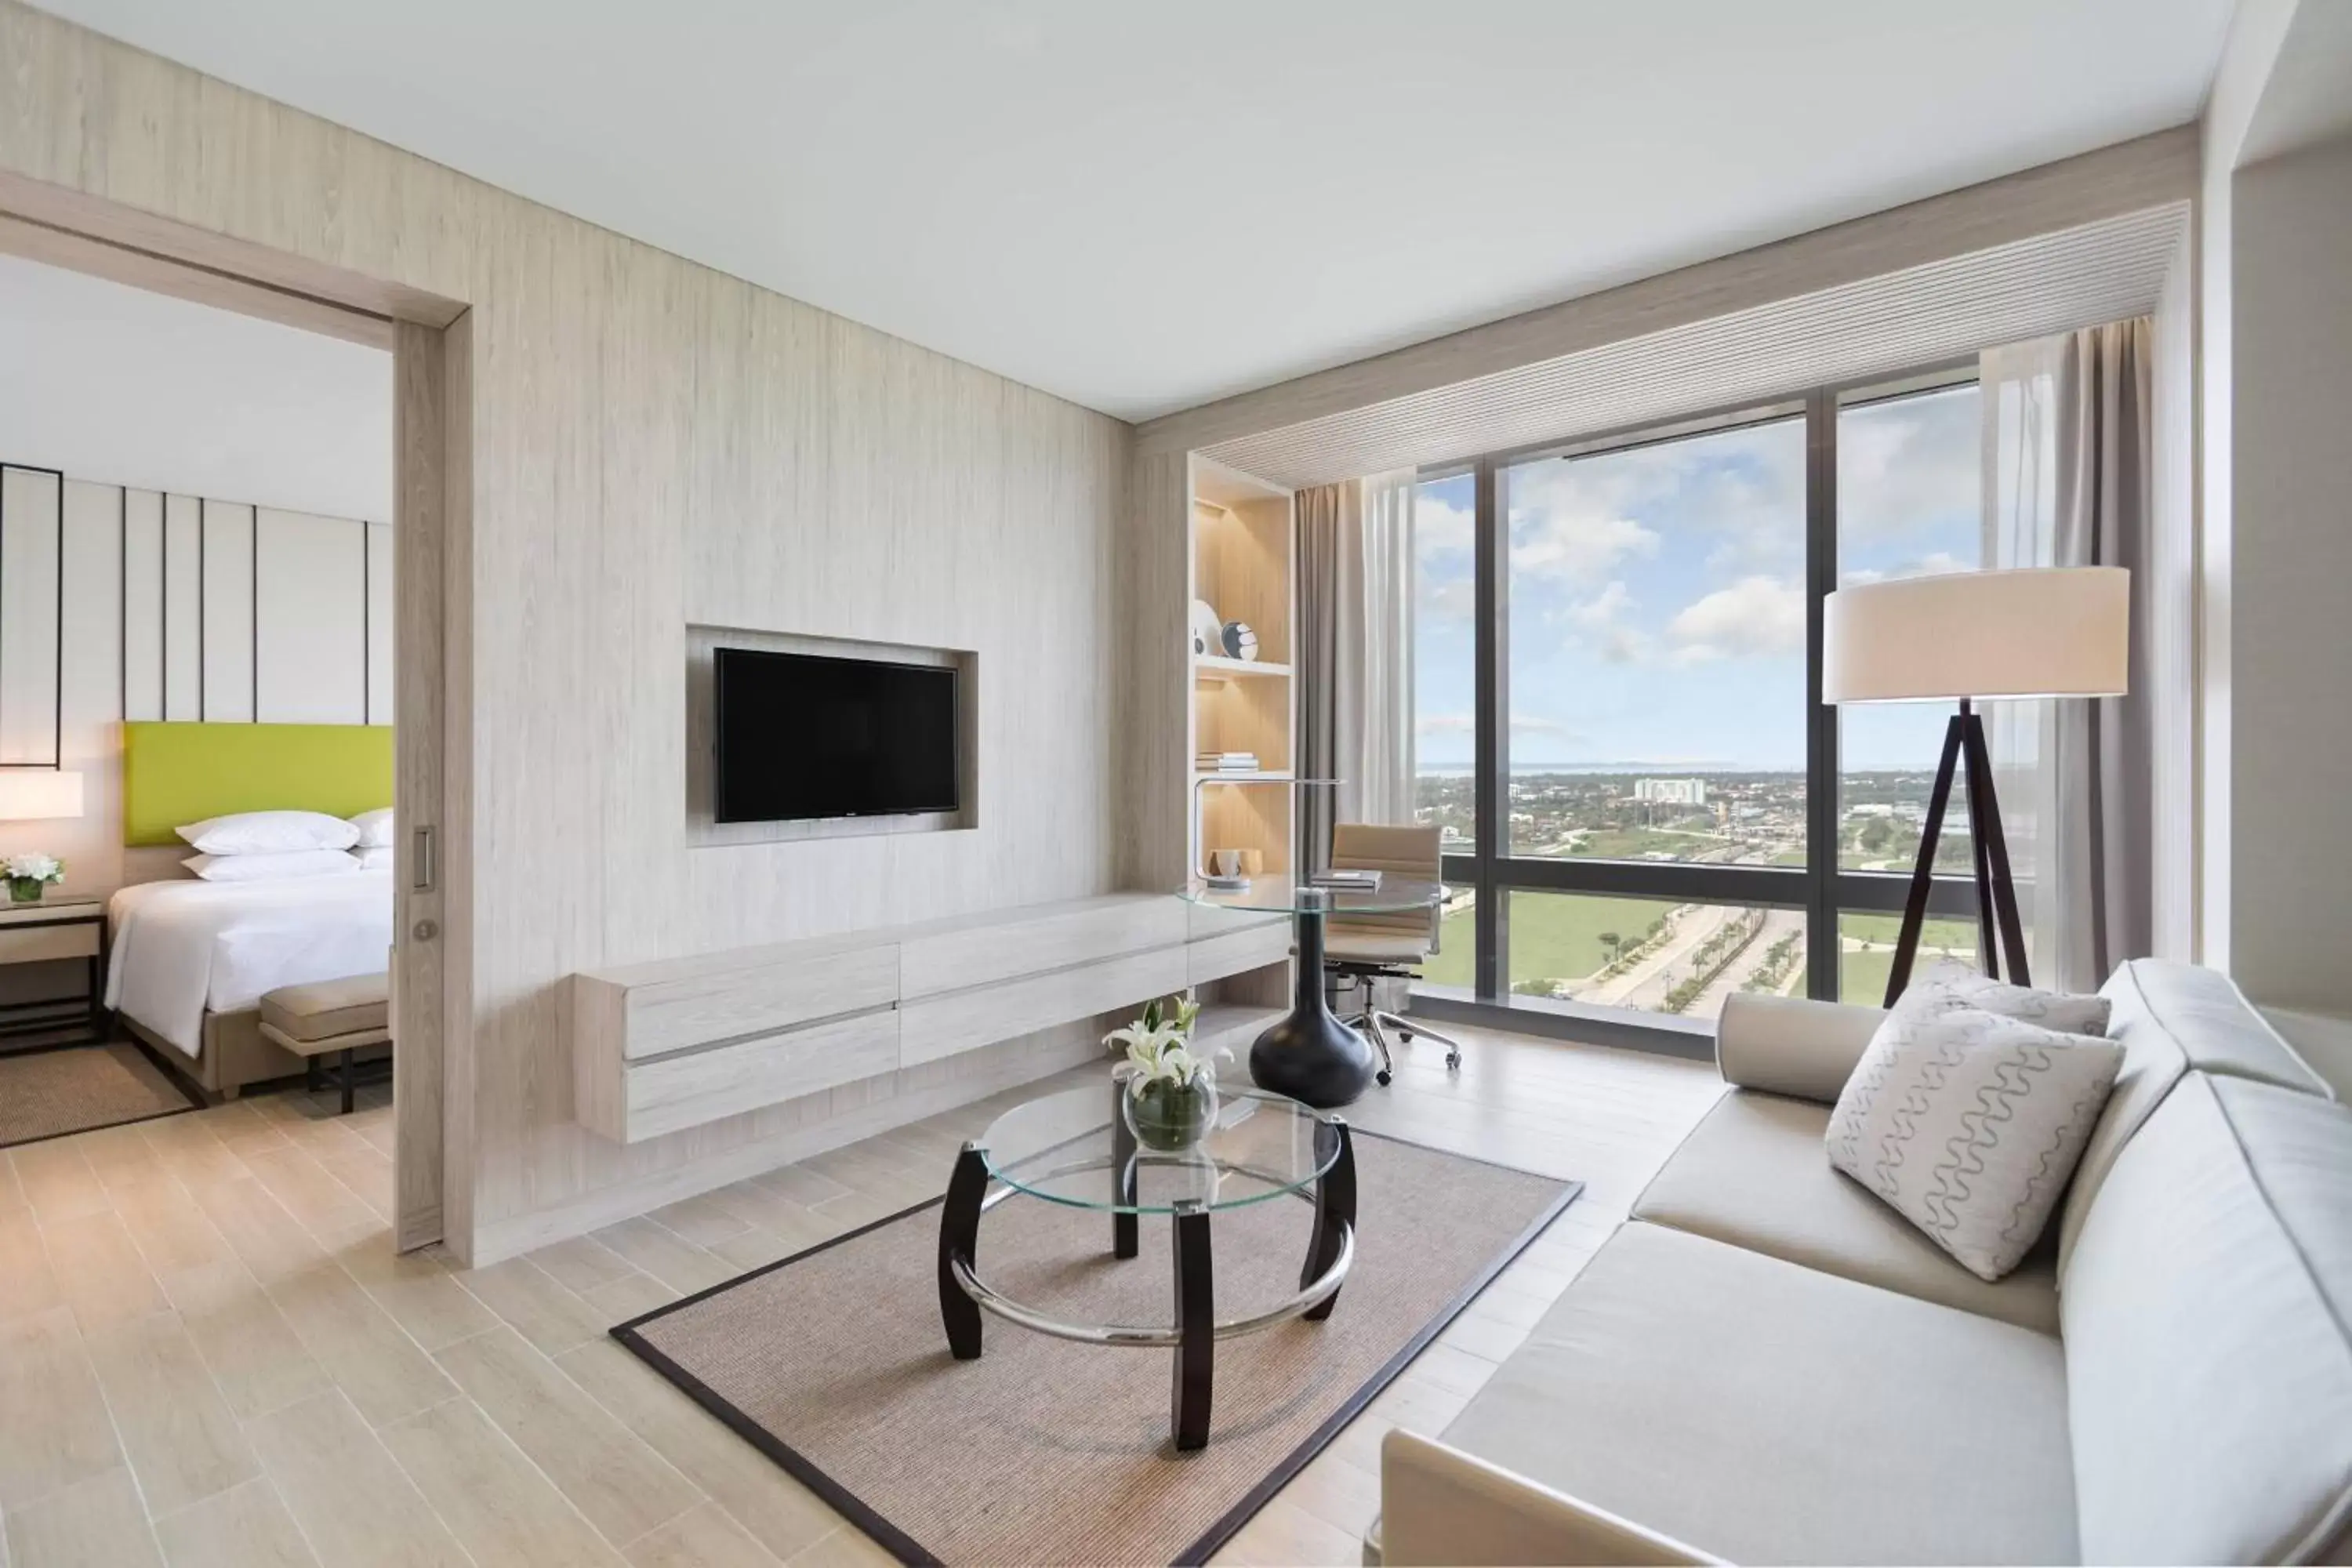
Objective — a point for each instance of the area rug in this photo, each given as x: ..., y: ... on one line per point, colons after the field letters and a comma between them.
x: 834, y: 1363
x: 74, y: 1089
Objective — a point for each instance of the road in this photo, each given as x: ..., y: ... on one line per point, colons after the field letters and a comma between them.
x: 1646, y: 983
x: 1778, y: 923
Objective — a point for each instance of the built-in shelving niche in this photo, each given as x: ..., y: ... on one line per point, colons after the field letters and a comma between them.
x: 1242, y: 554
x: 702, y: 731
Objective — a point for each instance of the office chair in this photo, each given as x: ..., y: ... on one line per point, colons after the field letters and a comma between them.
x: 1367, y: 947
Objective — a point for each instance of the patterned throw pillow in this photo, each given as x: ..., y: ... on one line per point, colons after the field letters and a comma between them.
x: 1952, y: 986
x: 1969, y: 1123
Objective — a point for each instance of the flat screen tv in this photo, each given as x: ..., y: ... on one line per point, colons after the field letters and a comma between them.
x: 803, y: 737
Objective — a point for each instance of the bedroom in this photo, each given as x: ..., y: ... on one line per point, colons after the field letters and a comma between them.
x: 196, y: 623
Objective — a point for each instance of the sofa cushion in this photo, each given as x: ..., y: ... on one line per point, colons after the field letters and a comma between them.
x: 2208, y: 1365
x: 1753, y: 1173
x: 1764, y: 1412
x: 2172, y: 1019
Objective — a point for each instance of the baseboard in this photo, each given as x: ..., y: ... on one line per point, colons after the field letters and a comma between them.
x: 502, y: 1238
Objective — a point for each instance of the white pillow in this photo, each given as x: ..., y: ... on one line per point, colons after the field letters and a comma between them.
x: 1968, y: 1124
x: 273, y: 867
x: 2061, y: 1010
x: 374, y: 857
x: 375, y: 827
x: 269, y: 832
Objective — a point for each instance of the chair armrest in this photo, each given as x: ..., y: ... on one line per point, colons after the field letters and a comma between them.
x: 1440, y: 1505
x: 1786, y: 1045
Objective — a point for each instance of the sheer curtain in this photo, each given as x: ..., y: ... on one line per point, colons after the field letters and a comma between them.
x: 2066, y: 482
x: 1354, y: 656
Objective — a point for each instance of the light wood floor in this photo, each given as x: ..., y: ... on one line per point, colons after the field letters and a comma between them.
x: 209, y: 1354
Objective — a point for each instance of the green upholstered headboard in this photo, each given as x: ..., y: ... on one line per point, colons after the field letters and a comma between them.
x: 177, y: 774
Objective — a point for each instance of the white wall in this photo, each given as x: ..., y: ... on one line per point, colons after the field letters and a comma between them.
x: 654, y: 444
x: 2171, y: 641
x: 2291, y: 547
x: 105, y: 381
x: 193, y: 619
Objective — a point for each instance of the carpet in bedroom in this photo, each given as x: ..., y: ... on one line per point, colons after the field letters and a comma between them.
x: 74, y: 1089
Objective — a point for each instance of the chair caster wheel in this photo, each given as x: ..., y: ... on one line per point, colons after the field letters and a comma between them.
x: 1381, y: 1078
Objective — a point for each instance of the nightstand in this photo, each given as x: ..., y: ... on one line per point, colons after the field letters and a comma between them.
x: 59, y: 927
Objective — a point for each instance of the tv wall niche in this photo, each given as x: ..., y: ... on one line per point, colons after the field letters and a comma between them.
x: 703, y: 828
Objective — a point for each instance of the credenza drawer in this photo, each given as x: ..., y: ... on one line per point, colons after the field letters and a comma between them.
x: 674, y: 1013
x: 1016, y: 942
x: 1213, y: 958
x: 938, y: 1026
x: 696, y: 1086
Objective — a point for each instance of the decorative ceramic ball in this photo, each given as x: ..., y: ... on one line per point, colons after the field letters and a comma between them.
x: 1208, y: 631
x: 1238, y: 640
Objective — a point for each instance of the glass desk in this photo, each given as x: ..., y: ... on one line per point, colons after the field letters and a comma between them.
x: 1075, y: 1148
x: 1310, y: 1055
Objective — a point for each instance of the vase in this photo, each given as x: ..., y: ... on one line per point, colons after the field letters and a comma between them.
x: 26, y: 889
x: 1170, y: 1117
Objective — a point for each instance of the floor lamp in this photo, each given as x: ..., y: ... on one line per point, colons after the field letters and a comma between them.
x: 2046, y: 632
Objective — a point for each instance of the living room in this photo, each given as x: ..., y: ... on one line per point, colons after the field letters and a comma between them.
x: 1163, y: 801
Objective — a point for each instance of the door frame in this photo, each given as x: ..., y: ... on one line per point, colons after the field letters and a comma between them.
x: 430, y: 338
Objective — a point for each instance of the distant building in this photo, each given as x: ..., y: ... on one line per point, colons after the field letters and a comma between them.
x: 1671, y: 792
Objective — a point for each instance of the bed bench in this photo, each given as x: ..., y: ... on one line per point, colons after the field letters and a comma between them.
x: 329, y: 1018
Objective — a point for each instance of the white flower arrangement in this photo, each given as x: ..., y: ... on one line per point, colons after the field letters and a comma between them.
x: 34, y: 868
x: 1158, y: 1048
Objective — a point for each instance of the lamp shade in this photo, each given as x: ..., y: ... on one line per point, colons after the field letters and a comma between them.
x: 30, y: 794
x: 2054, y: 631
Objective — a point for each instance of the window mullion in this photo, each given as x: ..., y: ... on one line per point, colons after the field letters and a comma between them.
x: 1491, y: 772
x: 1820, y: 719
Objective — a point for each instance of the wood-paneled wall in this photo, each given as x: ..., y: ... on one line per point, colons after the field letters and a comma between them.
x: 656, y: 444
x: 174, y: 608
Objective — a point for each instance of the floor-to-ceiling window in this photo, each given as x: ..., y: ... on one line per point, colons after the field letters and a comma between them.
x: 1616, y: 641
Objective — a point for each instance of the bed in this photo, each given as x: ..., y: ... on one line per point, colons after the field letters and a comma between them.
x: 189, y: 959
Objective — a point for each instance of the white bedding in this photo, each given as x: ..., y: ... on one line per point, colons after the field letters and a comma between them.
x: 181, y: 947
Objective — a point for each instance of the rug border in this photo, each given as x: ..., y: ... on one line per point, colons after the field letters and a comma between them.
x: 905, y: 1548
x: 178, y: 1082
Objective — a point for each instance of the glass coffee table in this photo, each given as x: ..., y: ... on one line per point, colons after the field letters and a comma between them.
x: 1075, y: 1148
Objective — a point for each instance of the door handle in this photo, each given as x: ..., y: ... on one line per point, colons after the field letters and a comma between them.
x: 422, y: 861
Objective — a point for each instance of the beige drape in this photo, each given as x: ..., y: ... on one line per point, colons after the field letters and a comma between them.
x: 2069, y: 482
x: 1354, y: 656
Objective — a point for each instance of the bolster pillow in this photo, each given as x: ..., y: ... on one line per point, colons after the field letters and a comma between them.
x: 1788, y: 1045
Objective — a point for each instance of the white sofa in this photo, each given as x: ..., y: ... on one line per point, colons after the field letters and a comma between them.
x: 1765, y: 1363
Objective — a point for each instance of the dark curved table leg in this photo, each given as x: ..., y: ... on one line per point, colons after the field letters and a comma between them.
x: 959, y: 1238
x: 1335, y: 1215
x: 1124, y: 1241
x: 1196, y: 1328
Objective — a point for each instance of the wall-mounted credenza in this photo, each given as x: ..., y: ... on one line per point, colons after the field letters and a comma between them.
x: 659, y: 1047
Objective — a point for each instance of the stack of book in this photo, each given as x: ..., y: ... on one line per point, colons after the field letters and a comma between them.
x: 1348, y: 880
x: 1227, y: 762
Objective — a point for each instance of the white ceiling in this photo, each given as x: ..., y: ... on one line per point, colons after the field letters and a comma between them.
x: 113, y: 383
x: 1141, y: 208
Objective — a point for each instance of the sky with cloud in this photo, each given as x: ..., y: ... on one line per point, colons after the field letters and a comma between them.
x: 1657, y: 593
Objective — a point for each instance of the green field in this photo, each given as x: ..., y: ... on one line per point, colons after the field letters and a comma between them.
x: 1557, y: 936
x: 1554, y: 936
x: 1883, y: 929
x: 1861, y: 976
x: 1639, y: 843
